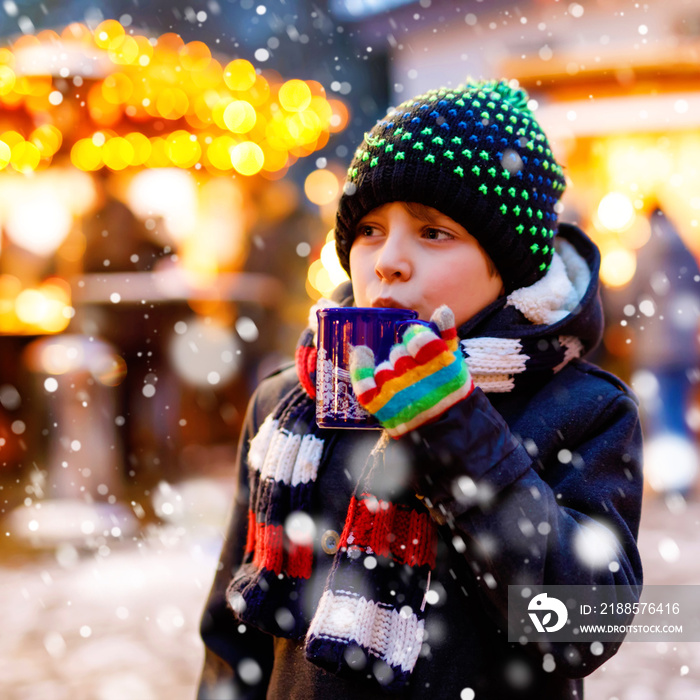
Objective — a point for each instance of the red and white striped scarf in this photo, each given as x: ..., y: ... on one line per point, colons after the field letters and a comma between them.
x: 369, y: 620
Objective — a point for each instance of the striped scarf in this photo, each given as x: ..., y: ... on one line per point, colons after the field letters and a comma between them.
x: 369, y: 621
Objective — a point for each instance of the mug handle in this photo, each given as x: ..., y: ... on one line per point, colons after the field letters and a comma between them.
x: 402, y: 326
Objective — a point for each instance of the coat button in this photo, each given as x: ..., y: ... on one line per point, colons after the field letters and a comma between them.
x: 329, y: 541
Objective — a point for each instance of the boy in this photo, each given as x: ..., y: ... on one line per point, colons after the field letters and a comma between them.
x: 358, y: 565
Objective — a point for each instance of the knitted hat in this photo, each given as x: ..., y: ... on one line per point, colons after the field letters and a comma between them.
x: 477, y: 154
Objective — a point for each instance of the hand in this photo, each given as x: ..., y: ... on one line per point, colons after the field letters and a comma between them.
x: 424, y: 376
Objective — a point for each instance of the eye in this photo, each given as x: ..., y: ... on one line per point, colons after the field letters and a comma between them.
x: 365, y: 231
x: 437, y: 234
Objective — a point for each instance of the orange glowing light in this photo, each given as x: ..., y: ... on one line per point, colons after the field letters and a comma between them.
x: 160, y: 79
x: 274, y: 159
x: 170, y: 43
x: 108, y: 34
x: 158, y: 157
x: 37, y: 85
x: 12, y: 138
x: 145, y: 50
x: 219, y: 152
x: 303, y: 127
x: 322, y: 109
x: 616, y: 211
x: 239, y: 75
x: 276, y: 133
x: 48, y: 36
x: 247, y: 158
x: 7, y: 79
x: 12, y: 99
x: 117, y: 153
x: 617, y: 267
x: 209, y: 77
x: 124, y: 52
x: 30, y: 306
x: 5, y: 154
x: 195, y: 56
x: 57, y: 298
x: 295, y: 96
x: 25, y: 157
x: 239, y: 116
x: 183, y: 149
x: 117, y: 88
x: 10, y: 287
x: 103, y: 112
x: 321, y: 187
x: 201, y: 110
x: 199, y: 262
x: 47, y: 138
x: 172, y: 103
x: 86, y: 155
x: 36, y: 308
x: 141, y: 146
x: 77, y: 32
x: 7, y: 58
x: 259, y: 93
x: 26, y: 41
x: 340, y: 116
x: 219, y: 108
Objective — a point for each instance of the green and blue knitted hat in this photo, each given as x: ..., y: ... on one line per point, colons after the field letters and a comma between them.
x: 477, y: 154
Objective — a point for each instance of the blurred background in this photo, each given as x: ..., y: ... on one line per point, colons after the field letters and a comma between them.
x: 168, y: 181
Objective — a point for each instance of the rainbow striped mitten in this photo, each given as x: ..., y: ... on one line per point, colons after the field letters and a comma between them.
x: 424, y: 375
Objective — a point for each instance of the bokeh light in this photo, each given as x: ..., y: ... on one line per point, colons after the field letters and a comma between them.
x: 325, y: 273
x: 247, y: 158
x: 44, y: 308
x: 39, y: 229
x: 25, y: 157
x: 152, y: 82
x: 616, y: 211
x: 295, y: 96
x: 47, y: 138
x: 595, y: 545
x: 167, y: 193
x: 183, y: 149
x: 670, y: 462
x: 117, y: 153
x: 85, y: 155
x: 7, y: 80
x: 321, y: 187
x: 109, y: 34
x: 239, y: 75
x: 206, y: 353
x: 617, y: 267
x: 5, y: 154
x: 239, y: 116
x: 195, y: 56
x: 143, y: 109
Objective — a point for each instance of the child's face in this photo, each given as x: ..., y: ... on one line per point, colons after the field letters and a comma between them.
x: 403, y: 260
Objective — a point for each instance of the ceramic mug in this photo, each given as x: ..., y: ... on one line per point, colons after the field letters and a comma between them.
x: 339, y: 330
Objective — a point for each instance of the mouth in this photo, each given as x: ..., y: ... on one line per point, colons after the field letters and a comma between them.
x: 387, y: 303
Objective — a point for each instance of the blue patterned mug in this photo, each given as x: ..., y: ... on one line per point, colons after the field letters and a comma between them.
x: 339, y: 330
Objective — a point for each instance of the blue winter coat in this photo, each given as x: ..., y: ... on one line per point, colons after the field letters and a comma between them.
x: 555, y: 456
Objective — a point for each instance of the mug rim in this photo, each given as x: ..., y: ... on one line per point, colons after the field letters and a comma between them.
x: 353, y: 310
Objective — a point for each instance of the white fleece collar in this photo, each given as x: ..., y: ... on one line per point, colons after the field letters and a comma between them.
x: 557, y: 294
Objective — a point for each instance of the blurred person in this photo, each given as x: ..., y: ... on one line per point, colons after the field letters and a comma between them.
x: 661, y: 310
x: 357, y: 565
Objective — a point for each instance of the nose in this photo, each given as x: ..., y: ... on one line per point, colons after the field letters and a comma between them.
x: 393, y: 260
